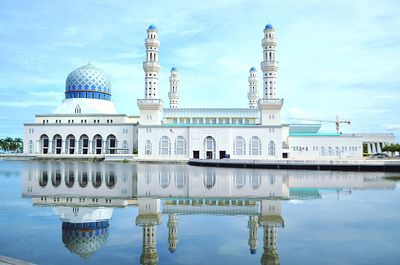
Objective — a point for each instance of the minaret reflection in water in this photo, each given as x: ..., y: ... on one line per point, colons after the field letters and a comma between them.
x: 83, y: 195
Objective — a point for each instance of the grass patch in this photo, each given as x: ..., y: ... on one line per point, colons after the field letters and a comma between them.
x: 393, y: 178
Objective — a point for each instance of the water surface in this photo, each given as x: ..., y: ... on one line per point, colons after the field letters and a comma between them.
x: 106, y: 213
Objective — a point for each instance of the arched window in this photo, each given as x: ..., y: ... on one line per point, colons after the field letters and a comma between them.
x: 44, y: 178
x: 69, y: 178
x: 337, y: 151
x: 255, y: 181
x: 180, y: 179
x: 83, y: 178
x: 57, y: 144
x: 147, y: 148
x: 70, y: 144
x: 239, y: 147
x: 111, y: 144
x: 56, y: 177
x: 209, y: 147
x: 44, y: 144
x: 255, y: 146
x: 209, y: 179
x: 125, y: 147
x: 164, y: 178
x: 111, y: 179
x: 239, y: 180
x: 83, y: 145
x: 96, y: 179
x: 30, y: 147
x: 330, y: 151
x: 271, y: 148
x: 78, y: 109
x: 97, y: 144
x: 180, y: 146
x: 165, y: 146
x: 322, y: 151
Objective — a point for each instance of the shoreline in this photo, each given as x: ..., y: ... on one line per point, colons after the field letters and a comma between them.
x: 364, y: 165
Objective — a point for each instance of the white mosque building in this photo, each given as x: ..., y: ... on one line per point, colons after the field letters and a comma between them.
x: 87, y: 124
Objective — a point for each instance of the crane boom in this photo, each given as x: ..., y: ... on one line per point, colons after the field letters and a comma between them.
x: 337, y: 122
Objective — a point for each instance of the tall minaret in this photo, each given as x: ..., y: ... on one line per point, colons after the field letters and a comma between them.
x: 151, y: 66
x: 269, y: 105
x: 173, y: 89
x: 151, y: 106
x: 269, y: 65
x: 172, y: 232
x: 253, y: 225
x: 252, y: 95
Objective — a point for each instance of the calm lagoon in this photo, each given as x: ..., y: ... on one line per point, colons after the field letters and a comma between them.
x: 114, y: 213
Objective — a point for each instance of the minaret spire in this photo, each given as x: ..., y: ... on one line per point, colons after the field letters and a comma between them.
x: 269, y: 65
x: 173, y: 89
x: 151, y: 66
x: 252, y: 95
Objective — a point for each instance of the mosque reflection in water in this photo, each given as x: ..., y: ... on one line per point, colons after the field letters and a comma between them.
x: 83, y: 195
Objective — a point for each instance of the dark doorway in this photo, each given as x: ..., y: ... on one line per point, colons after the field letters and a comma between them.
x: 285, y: 155
x: 209, y: 155
x: 196, y: 154
x: 222, y: 154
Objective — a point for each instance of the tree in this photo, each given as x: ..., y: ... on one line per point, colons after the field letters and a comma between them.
x: 11, y: 144
x: 392, y: 148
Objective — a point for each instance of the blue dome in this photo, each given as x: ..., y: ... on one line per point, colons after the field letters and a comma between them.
x: 88, y: 82
x: 152, y: 26
x: 252, y: 69
x: 173, y: 69
x: 269, y: 26
x: 84, y: 239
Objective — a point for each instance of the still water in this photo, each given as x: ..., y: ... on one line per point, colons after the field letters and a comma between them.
x: 109, y: 213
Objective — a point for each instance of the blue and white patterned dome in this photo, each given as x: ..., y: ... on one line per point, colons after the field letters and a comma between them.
x: 152, y: 27
x: 84, y: 239
x: 88, y: 82
x: 253, y: 69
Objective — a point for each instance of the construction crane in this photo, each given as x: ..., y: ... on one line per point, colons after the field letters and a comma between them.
x: 337, y: 122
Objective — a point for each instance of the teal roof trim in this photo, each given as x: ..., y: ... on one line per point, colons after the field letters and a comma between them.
x: 315, y: 134
x: 207, y: 125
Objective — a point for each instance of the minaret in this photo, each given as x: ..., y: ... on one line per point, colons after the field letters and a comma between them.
x: 253, y: 225
x: 252, y: 95
x: 151, y: 66
x: 149, y: 217
x: 172, y: 232
x: 269, y: 65
x: 269, y: 105
x: 173, y: 89
x: 151, y: 107
x: 270, y: 219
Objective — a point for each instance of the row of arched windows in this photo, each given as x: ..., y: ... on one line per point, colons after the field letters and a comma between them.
x: 73, y: 146
x: 83, y: 178
x: 165, y: 149
x: 239, y: 146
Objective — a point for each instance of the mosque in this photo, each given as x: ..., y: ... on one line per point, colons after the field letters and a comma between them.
x: 87, y: 124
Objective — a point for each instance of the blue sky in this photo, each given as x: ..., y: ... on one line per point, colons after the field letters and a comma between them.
x: 336, y: 57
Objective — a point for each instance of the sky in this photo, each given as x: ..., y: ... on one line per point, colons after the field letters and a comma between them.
x: 335, y: 57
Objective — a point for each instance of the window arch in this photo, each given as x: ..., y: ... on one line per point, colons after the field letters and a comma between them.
x: 70, y: 144
x: 322, y: 151
x: 125, y: 146
x: 83, y: 178
x: 111, y: 179
x: 239, y: 180
x: 255, y: 181
x: 111, y: 144
x: 147, y: 148
x: 180, y: 179
x: 165, y: 146
x: 44, y: 144
x: 271, y: 148
x: 330, y: 151
x: 56, y: 177
x: 337, y: 151
x: 97, y: 144
x: 44, y: 178
x: 239, y: 147
x: 209, y: 179
x: 96, y: 179
x: 180, y: 145
x: 255, y: 146
x: 57, y: 144
x: 209, y: 147
x: 83, y: 144
x: 69, y: 178
x: 164, y: 178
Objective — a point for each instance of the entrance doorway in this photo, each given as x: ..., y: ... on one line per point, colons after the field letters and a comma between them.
x: 209, y: 147
x: 196, y: 154
x: 222, y: 154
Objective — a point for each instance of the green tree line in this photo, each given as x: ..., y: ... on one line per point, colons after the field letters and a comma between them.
x: 391, y: 148
x: 9, y: 144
